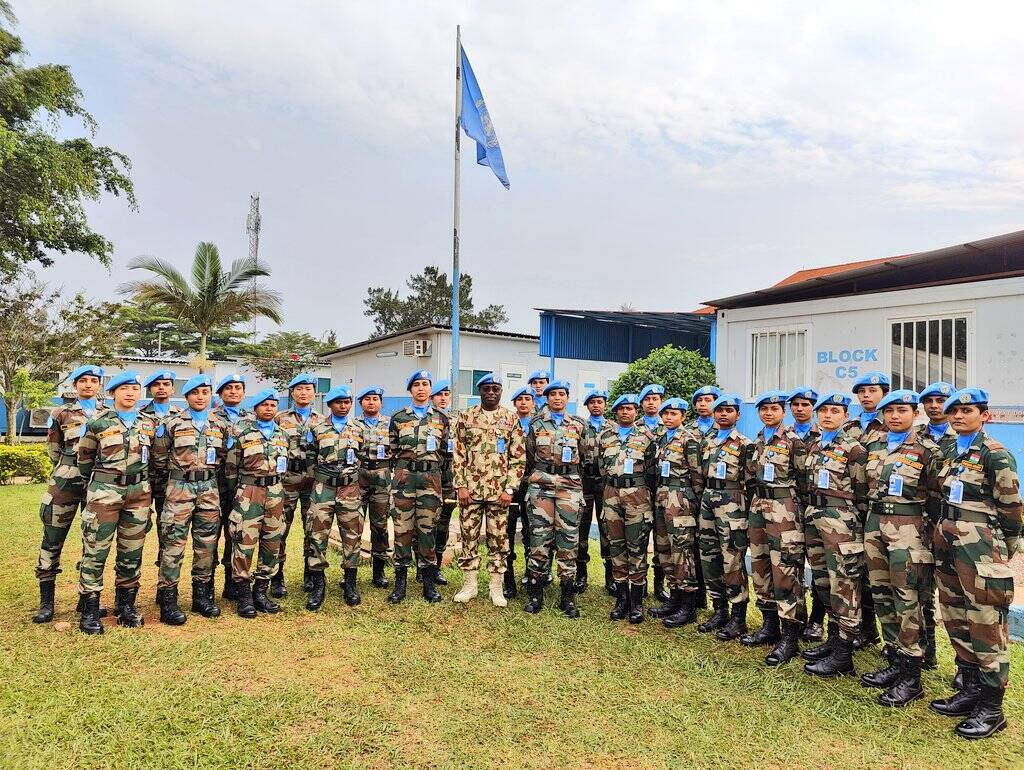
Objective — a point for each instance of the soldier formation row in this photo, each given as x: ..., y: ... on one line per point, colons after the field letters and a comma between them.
x: 878, y: 507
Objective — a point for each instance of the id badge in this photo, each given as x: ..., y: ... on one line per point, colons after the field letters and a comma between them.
x: 627, y: 466
x: 350, y: 456
x: 309, y: 437
x: 956, y: 492
x: 211, y: 456
x: 451, y: 446
x: 768, y: 472
x: 823, y: 478
x: 145, y: 455
x: 501, y: 445
x: 567, y: 454
x: 431, y: 443
x: 380, y: 451
x: 282, y: 464
x: 720, y: 469
x: 665, y: 466
x: 896, y: 485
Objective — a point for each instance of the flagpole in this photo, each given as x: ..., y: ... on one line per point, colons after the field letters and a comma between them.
x: 456, y: 276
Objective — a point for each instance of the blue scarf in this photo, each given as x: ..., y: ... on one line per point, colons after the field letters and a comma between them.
x: 304, y: 412
x: 233, y: 413
x: 895, y: 439
x: 802, y: 428
x: 769, y: 433
x: 938, y: 431
x: 866, y: 417
x: 88, y: 405
x: 339, y: 423
x: 597, y: 422
x: 199, y: 418
x: 558, y: 418
x: 420, y: 411
x: 524, y: 423
x: 651, y: 421
x: 670, y: 433
x: 160, y: 410
x: 624, y: 432
x: 963, y: 442
x: 723, y: 434
x: 128, y: 418
x: 371, y: 420
x: 266, y: 428
x: 828, y: 436
x: 705, y: 423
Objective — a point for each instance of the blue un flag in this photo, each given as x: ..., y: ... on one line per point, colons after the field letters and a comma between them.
x: 476, y: 122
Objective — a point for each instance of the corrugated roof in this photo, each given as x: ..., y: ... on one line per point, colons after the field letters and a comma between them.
x: 689, y: 323
x: 426, y: 327
x: 817, y: 272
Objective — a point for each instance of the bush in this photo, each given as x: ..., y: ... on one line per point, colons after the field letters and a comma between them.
x: 680, y: 371
x: 24, y: 460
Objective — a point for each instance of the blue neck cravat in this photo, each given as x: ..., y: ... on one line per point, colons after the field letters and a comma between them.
x: 828, y: 436
x: 895, y: 439
x: 266, y: 428
x: 963, y: 442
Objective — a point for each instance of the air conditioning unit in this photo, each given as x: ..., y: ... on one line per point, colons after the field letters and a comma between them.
x: 39, y: 418
x: 417, y: 348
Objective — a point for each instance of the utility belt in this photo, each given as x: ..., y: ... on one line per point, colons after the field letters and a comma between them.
x: 909, y: 508
x: 722, y: 484
x: 569, y: 469
x: 258, y: 481
x: 626, y: 482
x: 955, y: 513
x: 376, y: 465
x: 333, y: 478
x: 828, y: 501
x: 120, y: 479
x: 773, y: 493
x: 179, y: 475
x: 298, y: 466
x: 674, y: 484
x: 418, y: 466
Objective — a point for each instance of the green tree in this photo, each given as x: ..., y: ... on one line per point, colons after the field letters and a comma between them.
x: 216, y: 299
x: 29, y: 393
x: 281, y: 355
x: 46, y: 181
x: 680, y: 371
x: 429, y: 300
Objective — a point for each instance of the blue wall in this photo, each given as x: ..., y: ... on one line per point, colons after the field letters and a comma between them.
x: 589, y: 340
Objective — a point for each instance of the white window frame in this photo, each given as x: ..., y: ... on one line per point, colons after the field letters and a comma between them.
x: 752, y: 333
x: 936, y: 316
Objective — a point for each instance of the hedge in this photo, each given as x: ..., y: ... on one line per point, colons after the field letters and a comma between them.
x: 24, y: 460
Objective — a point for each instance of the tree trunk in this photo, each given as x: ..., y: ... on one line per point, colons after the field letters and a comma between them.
x: 202, y: 353
x: 12, y: 422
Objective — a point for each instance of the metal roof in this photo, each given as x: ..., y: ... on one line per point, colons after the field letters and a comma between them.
x: 426, y: 327
x: 999, y: 257
x: 687, y: 323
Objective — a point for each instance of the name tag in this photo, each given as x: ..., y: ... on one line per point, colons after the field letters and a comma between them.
x: 451, y: 446
x: 350, y: 457
x: 380, y: 451
x: 145, y: 455
x: 665, y: 466
x: 567, y: 454
x: 896, y: 484
x: 501, y: 445
x: 211, y: 456
x: 431, y: 443
x: 720, y: 470
x: 627, y: 465
x: 768, y: 473
x: 956, y: 492
x: 823, y: 478
x: 282, y: 464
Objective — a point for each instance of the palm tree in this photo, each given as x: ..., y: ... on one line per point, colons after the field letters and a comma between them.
x: 214, y: 298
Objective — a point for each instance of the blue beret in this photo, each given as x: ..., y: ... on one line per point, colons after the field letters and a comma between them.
x: 128, y: 377
x: 674, y: 403
x: 966, y: 397
x: 834, y: 398
x: 195, y: 382
x: 522, y: 392
x: 908, y: 397
x: 809, y: 394
x: 540, y: 374
x: 489, y: 379
x: 267, y: 394
x: 651, y: 390
x: 302, y: 379
x: 165, y: 374
x: 440, y: 387
x: 338, y: 391
x: 727, y: 399
x: 706, y: 390
x: 95, y: 371
x: 626, y: 399
x: 871, y: 378
x: 373, y: 390
x: 419, y: 374
x: 772, y: 397
x: 227, y: 379
x: 596, y: 394
x: 557, y: 385
x: 942, y: 389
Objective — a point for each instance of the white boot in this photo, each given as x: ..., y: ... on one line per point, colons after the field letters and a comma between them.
x: 469, y: 588
x: 497, y: 591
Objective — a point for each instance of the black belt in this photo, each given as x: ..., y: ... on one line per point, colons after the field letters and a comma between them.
x: 373, y: 465
x: 721, y: 484
x: 337, y: 478
x: 625, y: 482
x: 259, y: 481
x: 418, y: 466
x: 298, y: 466
x: 178, y: 475
x: 773, y: 493
x: 908, y: 508
x: 121, y: 479
x: 955, y: 513
x: 827, y: 501
x: 570, y: 469
x: 673, y: 484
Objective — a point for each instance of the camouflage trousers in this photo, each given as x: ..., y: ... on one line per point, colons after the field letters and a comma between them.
x: 257, y: 526
x: 777, y: 571
x: 415, y: 505
x: 191, y: 505
x: 375, y: 484
x: 112, y: 510
x: 814, y: 550
x: 471, y: 517
x: 443, y: 528
x: 975, y: 592
x: 593, y: 502
x: 842, y: 537
x: 518, y: 512
x: 296, y: 496
x: 555, y: 503
x: 900, y: 566
x: 676, y: 506
x: 723, y: 544
x: 662, y: 540
x: 57, y: 509
x: 627, y: 519
x: 227, y: 504
x: 344, y: 502
x: 159, y: 499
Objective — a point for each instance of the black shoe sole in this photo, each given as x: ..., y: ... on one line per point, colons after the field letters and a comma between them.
x: 989, y: 734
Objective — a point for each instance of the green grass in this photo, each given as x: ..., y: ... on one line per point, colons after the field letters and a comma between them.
x: 440, y: 686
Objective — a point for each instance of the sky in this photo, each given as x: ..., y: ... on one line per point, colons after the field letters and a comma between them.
x: 660, y: 153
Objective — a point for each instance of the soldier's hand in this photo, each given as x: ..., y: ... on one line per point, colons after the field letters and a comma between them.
x: 505, y: 500
x: 463, y: 493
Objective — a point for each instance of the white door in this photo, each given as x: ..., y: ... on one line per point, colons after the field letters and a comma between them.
x: 587, y: 381
x: 515, y: 378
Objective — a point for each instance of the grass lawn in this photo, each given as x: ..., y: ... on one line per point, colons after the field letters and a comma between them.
x: 439, y: 686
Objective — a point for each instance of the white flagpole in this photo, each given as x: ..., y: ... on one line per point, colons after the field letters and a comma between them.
x: 456, y: 277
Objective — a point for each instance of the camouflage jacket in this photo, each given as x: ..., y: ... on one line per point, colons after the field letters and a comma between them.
x: 633, y: 457
x: 334, y: 452
x: 808, y: 437
x: 864, y: 435
x: 107, y: 444
x: 180, y: 445
x: 945, y: 440
x: 786, y: 452
x: 733, y: 452
x: 252, y: 454
x: 565, y: 444
x: 592, y: 471
x: 376, y: 445
x: 222, y: 413
x: 917, y: 461
x: 658, y: 430
x: 172, y: 409
x: 447, y: 464
x: 490, y: 452
x: 988, y: 472
x: 64, y: 429
x: 678, y: 457
x: 844, y: 459
x: 300, y: 436
x: 419, y: 440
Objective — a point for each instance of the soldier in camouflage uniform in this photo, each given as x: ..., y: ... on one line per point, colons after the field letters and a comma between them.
x: 65, y: 491
x: 557, y: 449
x: 596, y: 401
x: 626, y: 453
x: 441, y: 398
x: 650, y: 399
x: 539, y: 380
x: 490, y: 454
x: 701, y: 422
x: 723, y: 520
x: 298, y: 423
x: 188, y: 450
x: 418, y: 435
x: 522, y: 400
x: 902, y: 472
x: 160, y: 386
x: 375, y: 477
x: 113, y: 457
x: 230, y: 392
x: 837, y: 485
x: 334, y: 454
x: 257, y: 459
x: 977, y: 534
x: 776, y: 483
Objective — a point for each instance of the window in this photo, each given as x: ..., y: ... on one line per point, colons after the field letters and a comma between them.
x: 323, y: 384
x: 778, y: 360
x: 467, y: 381
x: 926, y: 350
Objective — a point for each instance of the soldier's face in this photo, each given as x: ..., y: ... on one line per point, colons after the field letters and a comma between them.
x: 538, y: 385
x: 726, y: 416
x: 771, y: 414
x: 831, y: 416
x: 703, y: 405
x: 933, y: 408
x: 490, y: 395
x: 596, y: 406
x: 161, y: 390
x: 126, y: 396
x: 968, y: 418
x: 625, y: 415
x: 265, y: 410
x: 523, y: 405
x: 340, y: 407
x: 651, y: 404
x: 420, y: 391
x: 232, y: 393
x: 370, y: 405
x: 557, y: 399
x: 672, y: 418
x: 199, y: 398
x: 802, y: 409
x: 869, y: 396
x: 303, y: 394
x: 899, y: 417
x: 442, y: 399
x: 87, y: 386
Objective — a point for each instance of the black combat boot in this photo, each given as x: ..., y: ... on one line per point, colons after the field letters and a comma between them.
x: 229, y: 585
x: 170, y: 612
x: 260, y: 600
x: 158, y: 599
x: 430, y: 592
x: 80, y: 608
x: 768, y: 633
x: 886, y: 676
x: 958, y: 678
x: 823, y: 650
x: 398, y: 592
x: 307, y: 580
x: 621, y: 608
x: 737, y: 625
x: 960, y: 703
x: 439, y: 578
x: 671, y: 607
x: 636, y: 602
x: 928, y: 636
x: 838, y: 663
x: 987, y: 717
x: 581, y: 577
x: 567, y: 604
x: 202, y: 599
x: 659, y: 584
x: 687, y: 612
x: 352, y: 597
x: 814, y: 631
x: 277, y: 586
x: 719, y: 616
x: 243, y: 598
x: 787, y: 648
x: 535, y: 590
x: 509, y: 587
x: 380, y: 580
x: 90, y: 623
x: 907, y: 687
x: 609, y: 579
x: 127, y: 615
x: 318, y: 592
x: 868, y: 621
x: 45, y: 612
x: 419, y: 572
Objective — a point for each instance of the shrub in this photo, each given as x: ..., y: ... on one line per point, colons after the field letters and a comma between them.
x: 24, y: 460
x: 680, y: 371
